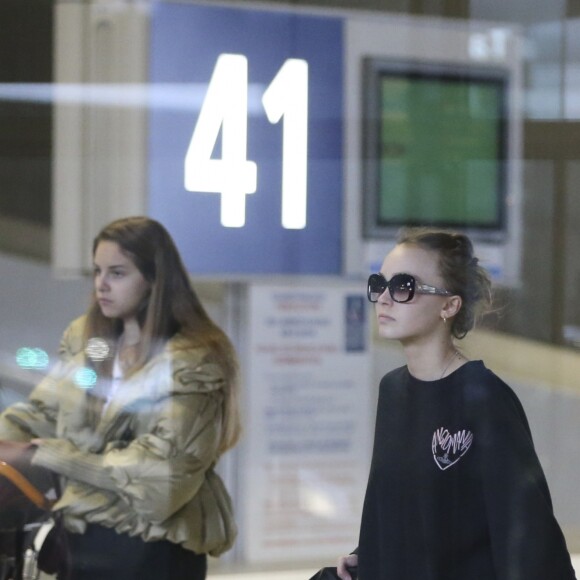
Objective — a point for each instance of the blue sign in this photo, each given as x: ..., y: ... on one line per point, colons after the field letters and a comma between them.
x: 246, y: 138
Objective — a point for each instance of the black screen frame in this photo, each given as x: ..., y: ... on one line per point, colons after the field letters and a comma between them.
x: 377, y: 68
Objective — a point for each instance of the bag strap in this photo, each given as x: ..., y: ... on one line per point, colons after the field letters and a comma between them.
x: 31, y: 492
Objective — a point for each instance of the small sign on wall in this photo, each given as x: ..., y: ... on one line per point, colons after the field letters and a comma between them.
x: 308, y: 431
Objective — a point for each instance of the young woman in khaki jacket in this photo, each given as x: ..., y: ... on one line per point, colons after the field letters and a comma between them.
x: 135, y: 416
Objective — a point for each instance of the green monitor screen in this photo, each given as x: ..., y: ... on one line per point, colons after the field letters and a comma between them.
x: 435, y: 147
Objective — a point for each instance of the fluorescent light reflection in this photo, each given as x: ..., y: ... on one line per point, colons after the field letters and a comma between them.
x: 32, y: 358
x: 85, y: 378
x: 97, y: 349
x: 321, y: 497
x: 167, y: 96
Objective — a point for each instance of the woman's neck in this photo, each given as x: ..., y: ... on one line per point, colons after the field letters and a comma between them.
x: 128, y: 352
x: 433, y: 361
x: 131, y: 333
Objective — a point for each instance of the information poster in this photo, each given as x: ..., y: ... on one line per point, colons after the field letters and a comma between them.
x: 308, y: 421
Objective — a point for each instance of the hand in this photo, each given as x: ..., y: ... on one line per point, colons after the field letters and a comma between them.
x: 345, y: 562
x: 38, y: 442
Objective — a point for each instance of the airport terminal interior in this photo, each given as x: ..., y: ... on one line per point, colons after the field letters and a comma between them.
x: 283, y: 145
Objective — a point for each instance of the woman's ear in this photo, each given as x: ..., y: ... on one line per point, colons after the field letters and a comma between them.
x: 451, y: 307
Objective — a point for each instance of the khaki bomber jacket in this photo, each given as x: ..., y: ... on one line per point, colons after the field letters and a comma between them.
x: 147, y: 469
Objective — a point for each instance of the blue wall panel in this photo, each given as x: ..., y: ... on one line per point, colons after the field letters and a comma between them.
x: 186, y: 42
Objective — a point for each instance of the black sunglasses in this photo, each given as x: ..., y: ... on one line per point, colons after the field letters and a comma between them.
x: 402, y: 288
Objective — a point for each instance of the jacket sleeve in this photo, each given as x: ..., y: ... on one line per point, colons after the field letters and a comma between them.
x: 527, y: 541
x: 159, y: 471
x: 36, y: 417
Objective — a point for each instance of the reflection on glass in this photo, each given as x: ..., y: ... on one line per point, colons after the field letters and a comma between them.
x: 97, y: 349
x: 32, y: 358
x: 85, y: 378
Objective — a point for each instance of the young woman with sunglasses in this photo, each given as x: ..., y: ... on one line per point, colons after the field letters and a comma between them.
x: 135, y: 416
x: 456, y: 491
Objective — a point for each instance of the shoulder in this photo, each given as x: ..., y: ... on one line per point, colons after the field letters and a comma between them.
x: 395, y: 375
x: 495, y: 401
x: 484, y: 385
x: 72, y: 341
x: 394, y: 382
x: 193, y: 368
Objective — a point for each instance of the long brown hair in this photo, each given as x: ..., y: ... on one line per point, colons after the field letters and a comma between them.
x: 172, y: 307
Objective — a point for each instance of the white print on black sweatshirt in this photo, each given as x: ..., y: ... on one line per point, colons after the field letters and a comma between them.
x: 449, y: 449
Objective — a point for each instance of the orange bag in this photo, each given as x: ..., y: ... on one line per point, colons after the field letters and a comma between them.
x: 27, y: 491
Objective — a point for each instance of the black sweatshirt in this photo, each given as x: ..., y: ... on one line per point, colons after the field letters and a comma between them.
x: 456, y: 491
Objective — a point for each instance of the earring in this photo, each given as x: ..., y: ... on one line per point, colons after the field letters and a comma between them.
x: 444, y: 320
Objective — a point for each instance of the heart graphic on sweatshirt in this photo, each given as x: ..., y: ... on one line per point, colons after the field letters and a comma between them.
x: 448, y: 449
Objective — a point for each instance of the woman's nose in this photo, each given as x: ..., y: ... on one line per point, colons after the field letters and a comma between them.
x: 385, y: 297
x: 101, y: 282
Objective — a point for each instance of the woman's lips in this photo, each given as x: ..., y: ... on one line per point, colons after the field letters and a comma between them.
x: 385, y: 318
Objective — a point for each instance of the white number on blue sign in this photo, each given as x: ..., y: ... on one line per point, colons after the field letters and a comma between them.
x: 225, y: 109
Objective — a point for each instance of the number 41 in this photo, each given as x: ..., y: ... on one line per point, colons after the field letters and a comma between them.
x: 225, y: 108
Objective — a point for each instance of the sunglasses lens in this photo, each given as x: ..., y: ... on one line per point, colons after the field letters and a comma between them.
x: 376, y: 286
x: 402, y: 287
